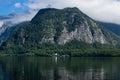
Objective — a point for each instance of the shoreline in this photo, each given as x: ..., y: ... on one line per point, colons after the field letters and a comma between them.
x: 66, y: 52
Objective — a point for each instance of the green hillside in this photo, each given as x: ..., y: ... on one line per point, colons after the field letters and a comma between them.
x: 66, y: 31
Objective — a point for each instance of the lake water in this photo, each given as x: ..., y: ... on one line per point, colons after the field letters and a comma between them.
x: 53, y: 68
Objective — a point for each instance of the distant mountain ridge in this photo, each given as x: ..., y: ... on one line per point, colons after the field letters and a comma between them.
x: 7, y: 24
x: 7, y: 29
x: 112, y: 27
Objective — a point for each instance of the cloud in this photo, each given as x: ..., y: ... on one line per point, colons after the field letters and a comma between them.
x: 102, y: 10
x: 15, y: 18
x: 21, y: 17
x: 1, y: 23
x: 17, y: 5
x: 25, y: 16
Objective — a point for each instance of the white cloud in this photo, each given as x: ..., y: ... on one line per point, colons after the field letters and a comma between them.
x: 102, y: 10
x: 21, y: 17
x: 16, y: 18
x: 1, y: 23
x: 17, y: 5
x: 25, y: 16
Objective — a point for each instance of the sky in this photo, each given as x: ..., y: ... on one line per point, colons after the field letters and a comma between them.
x: 101, y: 10
x: 12, y: 6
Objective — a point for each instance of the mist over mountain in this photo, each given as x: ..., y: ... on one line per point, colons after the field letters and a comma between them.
x: 112, y: 27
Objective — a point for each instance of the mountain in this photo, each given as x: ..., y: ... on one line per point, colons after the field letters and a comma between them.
x: 112, y: 27
x: 56, y: 30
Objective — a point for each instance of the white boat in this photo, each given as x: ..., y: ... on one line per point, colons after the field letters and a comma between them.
x: 55, y: 54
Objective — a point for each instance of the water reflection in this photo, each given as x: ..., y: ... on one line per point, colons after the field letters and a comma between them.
x: 57, y: 68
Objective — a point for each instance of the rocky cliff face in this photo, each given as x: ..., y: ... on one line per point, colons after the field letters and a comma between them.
x: 83, y: 33
x: 64, y: 25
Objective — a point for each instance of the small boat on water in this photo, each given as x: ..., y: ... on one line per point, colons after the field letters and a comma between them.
x: 56, y: 54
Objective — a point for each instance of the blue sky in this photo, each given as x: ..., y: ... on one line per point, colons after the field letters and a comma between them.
x: 101, y: 10
x: 12, y: 6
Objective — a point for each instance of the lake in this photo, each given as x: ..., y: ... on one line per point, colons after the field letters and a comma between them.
x: 59, y: 68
